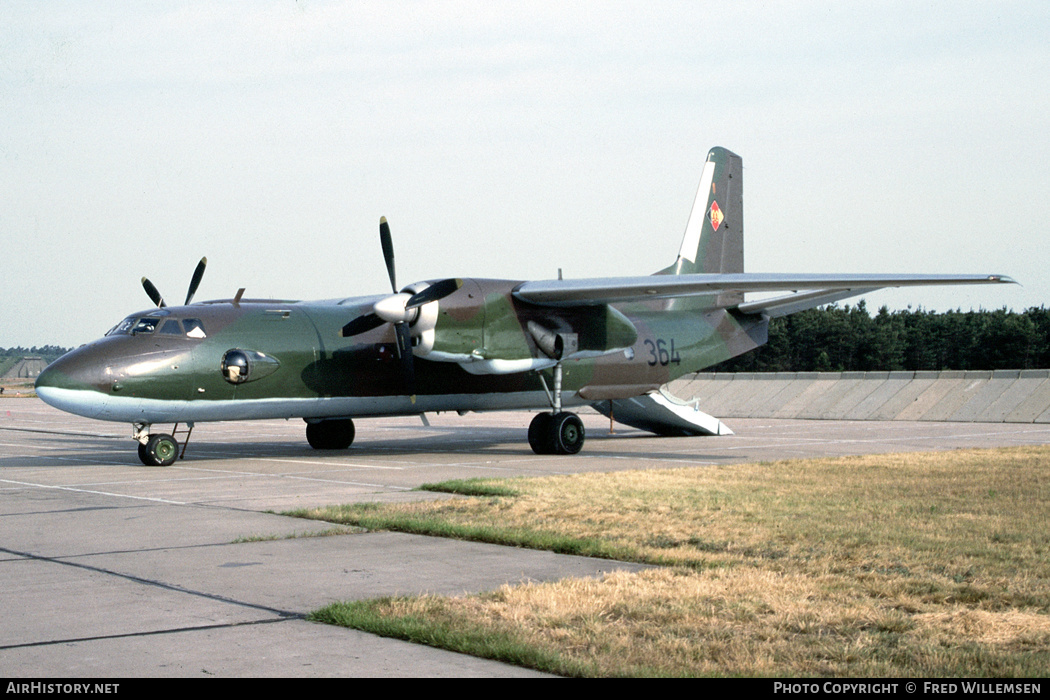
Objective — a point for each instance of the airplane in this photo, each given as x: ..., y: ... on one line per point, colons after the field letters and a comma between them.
x: 455, y: 344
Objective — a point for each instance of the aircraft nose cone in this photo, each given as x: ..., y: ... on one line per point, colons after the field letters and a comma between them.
x: 46, y: 379
x: 68, y: 372
x: 67, y: 381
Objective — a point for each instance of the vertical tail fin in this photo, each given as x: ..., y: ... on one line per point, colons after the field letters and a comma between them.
x: 714, y: 236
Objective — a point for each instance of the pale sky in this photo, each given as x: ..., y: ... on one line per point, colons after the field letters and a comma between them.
x: 508, y: 140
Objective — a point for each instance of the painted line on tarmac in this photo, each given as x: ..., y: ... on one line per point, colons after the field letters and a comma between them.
x: 63, y: 432
x: 90, y: 491
x: 230, y: 473
x: 296, y: 460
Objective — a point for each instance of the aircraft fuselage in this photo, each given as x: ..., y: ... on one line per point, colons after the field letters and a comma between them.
x: 166, y: 365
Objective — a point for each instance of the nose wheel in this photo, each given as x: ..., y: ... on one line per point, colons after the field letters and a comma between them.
x: 161, y: 449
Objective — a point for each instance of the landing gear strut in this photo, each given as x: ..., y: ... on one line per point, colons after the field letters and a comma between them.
x: 558, y: 432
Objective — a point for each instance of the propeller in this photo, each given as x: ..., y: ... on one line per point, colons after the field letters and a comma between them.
x: 195, y: 282
x: 153, y: 293
x: 400, y: 308
x: 387, y: 242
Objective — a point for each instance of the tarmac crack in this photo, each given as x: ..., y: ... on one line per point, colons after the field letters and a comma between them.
x: 148, y: 633
x: 282, y: 614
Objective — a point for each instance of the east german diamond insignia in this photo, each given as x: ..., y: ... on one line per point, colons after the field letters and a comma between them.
x: 716, y: 216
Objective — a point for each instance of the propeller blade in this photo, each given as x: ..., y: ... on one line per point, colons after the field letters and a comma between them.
x: 388, y: 251
x: 153, y: 293
x: 361, y: 324
x: 438, y: 290
x: 404, y: 353
x: 195, y: 281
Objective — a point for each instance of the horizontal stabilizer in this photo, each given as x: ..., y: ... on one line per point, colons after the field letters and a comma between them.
x: 663, y: 414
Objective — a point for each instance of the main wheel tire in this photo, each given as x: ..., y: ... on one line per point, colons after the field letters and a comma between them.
x: 160, y: 451
x: 567, y: 433
x: 556, y: 434
x: 540, y: 436
x: 330, y: 434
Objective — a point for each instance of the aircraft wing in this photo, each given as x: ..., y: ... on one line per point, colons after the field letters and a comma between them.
x: 810, y: 290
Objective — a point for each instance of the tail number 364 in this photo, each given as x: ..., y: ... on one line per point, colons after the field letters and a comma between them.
x: 662, y: 352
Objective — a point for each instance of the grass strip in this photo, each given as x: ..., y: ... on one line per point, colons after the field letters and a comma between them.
x: 934, y: 564
x: 424, y: 621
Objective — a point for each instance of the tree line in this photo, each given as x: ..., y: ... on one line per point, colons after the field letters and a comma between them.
x: 849, y: 338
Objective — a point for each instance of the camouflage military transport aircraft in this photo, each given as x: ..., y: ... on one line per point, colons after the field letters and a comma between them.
x: 455, y: 344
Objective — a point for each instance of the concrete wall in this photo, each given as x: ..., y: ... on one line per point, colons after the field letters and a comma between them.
x: 1002, y: 396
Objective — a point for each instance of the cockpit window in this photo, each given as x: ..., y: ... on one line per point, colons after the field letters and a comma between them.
x: 122, y: 328
x: 171, y: 327
x: 145, y: 325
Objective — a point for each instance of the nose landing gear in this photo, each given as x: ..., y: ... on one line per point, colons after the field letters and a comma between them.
x: 161, y: 449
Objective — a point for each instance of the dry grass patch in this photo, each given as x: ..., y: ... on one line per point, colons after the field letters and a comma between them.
x: 931, y: 564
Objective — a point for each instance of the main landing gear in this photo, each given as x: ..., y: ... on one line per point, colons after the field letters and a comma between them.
x: 331, y: 434
x: 558, y: 432
x: 161, y: 449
